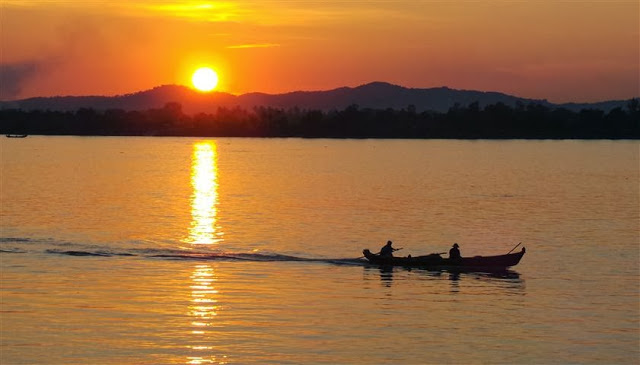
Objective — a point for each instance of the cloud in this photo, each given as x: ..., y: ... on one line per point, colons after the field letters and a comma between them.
x: 220, y: 11
x: 13, y: 77
x: 254, y: 45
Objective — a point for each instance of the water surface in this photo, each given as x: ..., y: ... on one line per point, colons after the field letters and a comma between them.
x: 178, y: 250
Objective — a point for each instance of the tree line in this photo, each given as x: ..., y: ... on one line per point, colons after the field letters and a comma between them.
x: 495, y: 121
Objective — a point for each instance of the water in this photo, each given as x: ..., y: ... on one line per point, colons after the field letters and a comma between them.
x: 236, y: 251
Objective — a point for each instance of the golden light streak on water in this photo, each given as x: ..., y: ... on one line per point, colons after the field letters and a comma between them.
x: 204, y: 230
x: 204, y: 199
x: 202, y: 310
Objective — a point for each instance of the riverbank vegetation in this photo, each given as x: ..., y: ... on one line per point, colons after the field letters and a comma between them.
x: 497, y: 121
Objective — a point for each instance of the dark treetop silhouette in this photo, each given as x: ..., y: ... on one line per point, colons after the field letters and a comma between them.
x: 494, y: 121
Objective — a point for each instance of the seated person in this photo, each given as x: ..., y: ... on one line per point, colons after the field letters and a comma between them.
x: 387, y: 250
x: 454, y: 252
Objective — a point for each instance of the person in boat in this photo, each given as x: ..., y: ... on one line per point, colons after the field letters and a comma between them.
x: 387, y: 250
x: 454, y: 252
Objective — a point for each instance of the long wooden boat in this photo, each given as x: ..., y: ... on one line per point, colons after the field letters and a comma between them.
x: 436, y: 262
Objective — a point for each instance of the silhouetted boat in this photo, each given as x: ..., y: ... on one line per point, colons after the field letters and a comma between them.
x: 435, y: 262
x: 16, y: 135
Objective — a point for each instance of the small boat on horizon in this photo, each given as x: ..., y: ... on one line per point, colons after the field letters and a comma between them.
x: 435, y: 262
x: 16, y: 135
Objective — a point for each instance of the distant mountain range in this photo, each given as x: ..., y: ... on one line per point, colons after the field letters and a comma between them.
x: 376, y: 95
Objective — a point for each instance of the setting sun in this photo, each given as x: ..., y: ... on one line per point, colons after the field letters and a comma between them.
x: 204, y: 79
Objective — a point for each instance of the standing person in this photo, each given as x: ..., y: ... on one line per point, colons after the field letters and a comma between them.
x: 454, y: 252
x: 387, y: 250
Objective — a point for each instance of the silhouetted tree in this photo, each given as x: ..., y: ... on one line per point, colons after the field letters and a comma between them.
x: 493, y: 121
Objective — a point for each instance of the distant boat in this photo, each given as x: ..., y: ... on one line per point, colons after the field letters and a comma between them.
x: 16, y: 135
x: 435, y: 262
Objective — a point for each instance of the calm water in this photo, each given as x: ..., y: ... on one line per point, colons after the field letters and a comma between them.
x: 236, y: 251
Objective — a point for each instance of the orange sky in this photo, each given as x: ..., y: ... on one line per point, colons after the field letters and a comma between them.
x: 558, y: 50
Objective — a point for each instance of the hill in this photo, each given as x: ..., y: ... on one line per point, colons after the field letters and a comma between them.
x: 376, y: 95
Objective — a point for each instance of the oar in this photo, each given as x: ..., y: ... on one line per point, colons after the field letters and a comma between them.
x: 514, y: 248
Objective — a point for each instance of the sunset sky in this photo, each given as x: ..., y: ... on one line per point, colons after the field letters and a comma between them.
x: 558, y: 50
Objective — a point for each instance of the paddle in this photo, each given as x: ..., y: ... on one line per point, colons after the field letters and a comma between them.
x: 514, y: 248
x: 394, y: 250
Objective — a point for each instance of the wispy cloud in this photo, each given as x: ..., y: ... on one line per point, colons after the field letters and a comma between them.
x: 210, y: 11
x: 13, y: 77
x: 254, y: 45
x: 261, y: 12
x: 219, y: 11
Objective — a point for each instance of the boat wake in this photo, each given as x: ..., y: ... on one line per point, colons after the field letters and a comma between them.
x: 17, y: 245
x: 253, y: 257
x: 87, y: 253
x: 207, y: 256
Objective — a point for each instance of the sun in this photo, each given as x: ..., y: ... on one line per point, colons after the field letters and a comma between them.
x: 204, y: 79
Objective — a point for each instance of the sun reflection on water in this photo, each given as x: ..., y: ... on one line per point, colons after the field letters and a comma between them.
x: 204, y: 230
x: 204, y: 200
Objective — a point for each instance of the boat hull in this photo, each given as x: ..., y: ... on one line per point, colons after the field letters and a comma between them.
x: 436, y: 262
